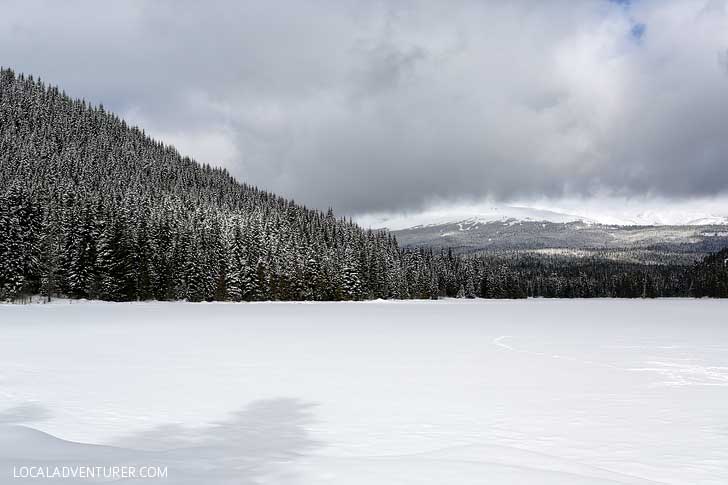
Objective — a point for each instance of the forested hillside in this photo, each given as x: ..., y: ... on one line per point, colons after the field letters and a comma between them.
x: 93, y: 208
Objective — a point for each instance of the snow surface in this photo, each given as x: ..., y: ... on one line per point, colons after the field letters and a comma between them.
x: 457, y: 392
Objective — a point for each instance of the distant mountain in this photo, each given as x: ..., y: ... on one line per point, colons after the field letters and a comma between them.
x: 664, y: 218
x: 492, y: 214
x: 540, y: 230
x: 515, y: 214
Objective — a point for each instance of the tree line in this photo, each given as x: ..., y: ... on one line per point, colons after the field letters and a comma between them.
x: 93, y: 208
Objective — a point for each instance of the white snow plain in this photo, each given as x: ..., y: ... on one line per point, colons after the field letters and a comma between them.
x: 446, y: 392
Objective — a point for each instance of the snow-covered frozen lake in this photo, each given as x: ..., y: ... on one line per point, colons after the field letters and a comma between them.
x: 447, y: 392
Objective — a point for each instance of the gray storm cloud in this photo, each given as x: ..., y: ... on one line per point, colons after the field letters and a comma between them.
x: 386, y: 106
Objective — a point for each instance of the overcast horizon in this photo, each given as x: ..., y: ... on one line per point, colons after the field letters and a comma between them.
x: 385, y: 108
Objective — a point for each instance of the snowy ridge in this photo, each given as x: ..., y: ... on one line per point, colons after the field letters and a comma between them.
x: 492, y: 214
x: 515, y: 214
x: 665, y: 218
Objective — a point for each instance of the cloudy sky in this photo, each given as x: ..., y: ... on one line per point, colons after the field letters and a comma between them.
x: 391, y: 106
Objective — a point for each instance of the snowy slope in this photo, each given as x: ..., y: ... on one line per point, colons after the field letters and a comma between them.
x: 483, y: 216
x: 524, y: 228
x: 666, y: 217
x: 466, y: 392
x: 663, y: 218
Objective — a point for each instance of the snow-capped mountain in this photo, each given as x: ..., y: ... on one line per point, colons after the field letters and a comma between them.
x: 516, y: 214
x: 530, y: 228
x: 469, y: 217
x: 492, y: 214
x: 668, y: 217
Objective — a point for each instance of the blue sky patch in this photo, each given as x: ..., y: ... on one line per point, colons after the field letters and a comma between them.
x: 638, y: 30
